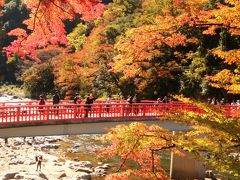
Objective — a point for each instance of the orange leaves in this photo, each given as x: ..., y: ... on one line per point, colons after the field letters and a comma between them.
x: 211, y: 30
x: 226, y: 15
x: 1, y: 4
x: 46, y: 23
x: 119, y: 176
x: 227, y: 80
x: 81, y: 67
x: 224, y: 77
x: 136, y: 142
x: 140, y: 45
x: 229, y: 57
x: 18, y: 32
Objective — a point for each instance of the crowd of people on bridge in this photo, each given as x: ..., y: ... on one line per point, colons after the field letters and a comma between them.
x: 84, y: 106
x: 223, y: 101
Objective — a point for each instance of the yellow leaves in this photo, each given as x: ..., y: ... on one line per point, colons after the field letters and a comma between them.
x: 183, y: 99
x: 226, y: 16
x: 227, y: 80
x: 230, y: 57
x: 224, y: 77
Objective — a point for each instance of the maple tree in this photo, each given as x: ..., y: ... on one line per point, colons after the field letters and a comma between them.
x: 150, y: 52
x: 137, y: 142
x: 38, y: 78
x: 90, y: 62
x: 82, y: 67
x: 226, y: 18
x: 212, y: 138
x: 10, y: 9
x: 46, y: 24
x: 215, y: 138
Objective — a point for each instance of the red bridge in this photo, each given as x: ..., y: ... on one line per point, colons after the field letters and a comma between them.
x: 30, y: 119
x: 31, y: 112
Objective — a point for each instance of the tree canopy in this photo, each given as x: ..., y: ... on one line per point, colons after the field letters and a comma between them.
x: 192, y: 45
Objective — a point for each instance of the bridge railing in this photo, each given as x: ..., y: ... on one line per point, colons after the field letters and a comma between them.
x: 35, y: 102
x: 17, y: 114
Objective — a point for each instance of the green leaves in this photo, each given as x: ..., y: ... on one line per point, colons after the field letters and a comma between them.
x: 78, y: 36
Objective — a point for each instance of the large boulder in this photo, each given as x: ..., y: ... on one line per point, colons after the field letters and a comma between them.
x: 9, y: 175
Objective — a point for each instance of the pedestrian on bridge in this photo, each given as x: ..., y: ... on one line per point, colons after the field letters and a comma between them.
x: 89, y: 103
x: 56, y: 100
x: 41, y: 103
x: 77, y: 100
x: 129, y: 107
x: 108, y: 102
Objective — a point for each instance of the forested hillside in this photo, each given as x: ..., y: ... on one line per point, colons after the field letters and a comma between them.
x: 145, y: 48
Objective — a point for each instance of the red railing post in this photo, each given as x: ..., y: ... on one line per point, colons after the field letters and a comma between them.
x: 47, y: 113
x: 144, y: 109
x: 100, y: 109
x: 122, y: 110
x: 75, y: 112
x: 18, y: 114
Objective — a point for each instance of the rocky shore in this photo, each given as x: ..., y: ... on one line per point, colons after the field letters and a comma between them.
x: 61, y: 158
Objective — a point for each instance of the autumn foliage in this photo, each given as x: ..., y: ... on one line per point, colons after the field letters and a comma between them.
x: 138, y: 143
x: 46, y: 24
x: 146, y: 48
x: 212, y: 138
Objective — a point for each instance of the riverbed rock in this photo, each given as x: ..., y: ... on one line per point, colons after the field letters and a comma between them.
x: 50, y: 146
x: 16, y: 161
x: 62, y: 175
x: 106, y: 166
x: 18, y: 141
x: 58, y: 164
x: 29, y: 140
x: 53, y: 139
x: 83, y: 176
x: 39, y: 140
x: 99, y: 171
x: 75, y: 149
x: 9, y: 175
x: 19, y: 176
x: 84, y: 169
x: 85, y: 164
x: 75, y: 165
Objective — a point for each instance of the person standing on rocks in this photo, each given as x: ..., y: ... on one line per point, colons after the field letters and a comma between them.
x: 39, y: 162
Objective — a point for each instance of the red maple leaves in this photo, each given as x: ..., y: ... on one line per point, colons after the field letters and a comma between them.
x: 46, y: 24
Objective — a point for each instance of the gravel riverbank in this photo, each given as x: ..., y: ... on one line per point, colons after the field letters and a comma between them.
x: 62, y: 158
